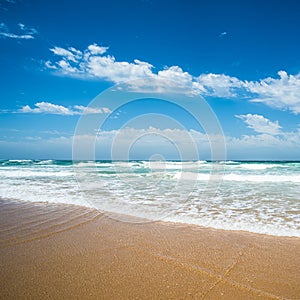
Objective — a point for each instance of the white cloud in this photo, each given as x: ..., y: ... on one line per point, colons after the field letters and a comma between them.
x: 26, y: 33
x: 97, y: 50
x: 79, y: 109
x: 16, y: 36
x: 22, y: 26
x: 137, y: 143
x: 177, y: 74
x: 261, y: 124
x: 282, y: 93
x: 50, y: 108
x: 107, y: 67
x: 72, y: 54
x: 220, y: 85
x: 285, y: 146
x: 66, y: 67
x: 94, y: 62
x: 223, y: 34
x: 28, y: 30
x: 49, y: 65
x: 46, y: 107
x: 146, y: 142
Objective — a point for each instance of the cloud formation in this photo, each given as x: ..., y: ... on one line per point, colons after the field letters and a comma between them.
x: 25, y: 33
x: 285, y: 146
x: 92, y: 64
x: 50, y: 108
x: 260, y: 124
x: 97, y: 50
x: 281, y: 93
x: 220, y: 85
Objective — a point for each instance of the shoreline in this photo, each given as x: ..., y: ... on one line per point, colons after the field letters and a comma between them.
x: 64, y: 251
x: 126, y: 218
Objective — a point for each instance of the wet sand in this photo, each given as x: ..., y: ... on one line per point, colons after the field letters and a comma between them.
x: 66, y: 252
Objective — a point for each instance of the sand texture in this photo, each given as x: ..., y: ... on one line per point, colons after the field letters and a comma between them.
x: 66, y: 252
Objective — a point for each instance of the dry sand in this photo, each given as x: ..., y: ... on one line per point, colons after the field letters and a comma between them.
x: 65, y: 252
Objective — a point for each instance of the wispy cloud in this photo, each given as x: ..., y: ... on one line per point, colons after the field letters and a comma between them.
x: 260, y: 124
x: 24, y: 32
x: 223, y: 34
x: 16, y: 36
x: 4, y: 4
x: 28, y: 30
x: 252, y: 146
x: 71, y: 55
x: 263, y: 146
x: 94, y: 62
x: 55, y: 109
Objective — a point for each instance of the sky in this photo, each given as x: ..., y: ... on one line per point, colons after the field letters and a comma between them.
x: 61, y: 62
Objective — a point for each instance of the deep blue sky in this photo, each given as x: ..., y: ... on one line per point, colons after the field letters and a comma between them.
x: 243, y: 42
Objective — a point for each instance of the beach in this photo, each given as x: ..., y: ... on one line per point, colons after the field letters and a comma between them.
x: 58, y: 251
x: 259, y: 197
x: 150, y: 150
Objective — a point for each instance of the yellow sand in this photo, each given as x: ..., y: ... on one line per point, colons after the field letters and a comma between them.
x: 92, y: 256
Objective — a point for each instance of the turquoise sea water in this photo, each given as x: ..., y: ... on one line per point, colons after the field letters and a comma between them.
x: 261, y: 197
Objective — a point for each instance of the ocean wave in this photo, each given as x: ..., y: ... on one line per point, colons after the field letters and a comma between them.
x: 262, y: 178
x: 31, y: 173
x: 237, y: 177
x: 260, y: 166
x: 262, y: 199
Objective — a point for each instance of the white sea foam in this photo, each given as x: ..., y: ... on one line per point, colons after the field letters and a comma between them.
x: 260, y: 166
x: 257, y: 197
x: 31, y: 173
x: 237, y: 177
x: 45, y: 162
x: 262, y: 178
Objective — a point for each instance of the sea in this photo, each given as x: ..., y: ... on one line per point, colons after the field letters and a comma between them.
x: 256, y: 196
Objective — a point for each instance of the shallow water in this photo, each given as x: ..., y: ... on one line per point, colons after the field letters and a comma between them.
x: 261, y: 197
